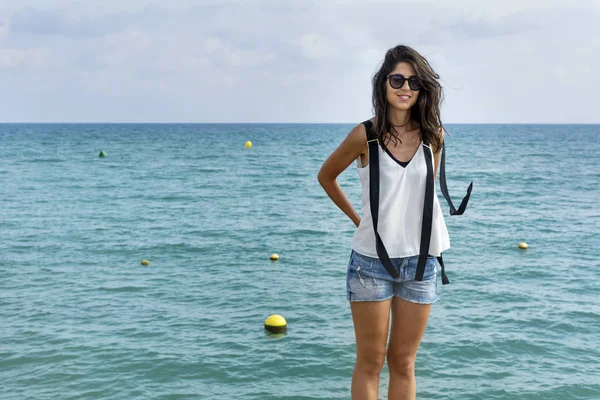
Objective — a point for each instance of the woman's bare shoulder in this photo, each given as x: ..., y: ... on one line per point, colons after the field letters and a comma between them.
x: 358, y: 134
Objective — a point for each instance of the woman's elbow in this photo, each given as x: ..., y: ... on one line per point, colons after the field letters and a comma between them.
x: 324, y: 178
x: 321, y: 177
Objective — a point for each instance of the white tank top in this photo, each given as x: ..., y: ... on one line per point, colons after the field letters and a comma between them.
x: 401, y: 197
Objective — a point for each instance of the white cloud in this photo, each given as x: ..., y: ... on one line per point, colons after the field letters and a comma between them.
x: 211, y: 44
x: 68, y: 22
x: 294, y: 61
x: 315, y: 47
x: 22, y: 58
x: 3, y: 29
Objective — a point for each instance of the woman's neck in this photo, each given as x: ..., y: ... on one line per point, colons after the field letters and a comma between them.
x: 399, y: 119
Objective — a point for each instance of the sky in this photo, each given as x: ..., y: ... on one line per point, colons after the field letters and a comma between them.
x: 297, y: 61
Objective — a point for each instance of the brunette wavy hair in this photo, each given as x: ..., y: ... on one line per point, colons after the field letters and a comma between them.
x: 426, y: 111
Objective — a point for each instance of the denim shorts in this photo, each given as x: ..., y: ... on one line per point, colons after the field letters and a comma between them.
x: 368, y: 280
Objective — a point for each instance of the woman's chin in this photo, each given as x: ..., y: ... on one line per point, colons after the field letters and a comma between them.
x: 401, y: 106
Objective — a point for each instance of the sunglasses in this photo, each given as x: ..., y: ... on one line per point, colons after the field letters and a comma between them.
x: 397, y: 81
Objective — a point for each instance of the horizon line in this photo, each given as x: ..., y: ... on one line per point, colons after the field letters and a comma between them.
x: 275, y: 123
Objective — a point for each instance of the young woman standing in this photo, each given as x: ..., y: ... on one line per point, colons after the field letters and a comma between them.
x: 392, y: 270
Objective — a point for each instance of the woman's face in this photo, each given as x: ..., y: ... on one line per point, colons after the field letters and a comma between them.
x: 405, y: 97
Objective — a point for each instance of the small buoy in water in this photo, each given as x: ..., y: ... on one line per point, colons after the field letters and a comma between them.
x: 102, y: 154
x: 276, y: 324
x: 145, y: 262
x: 248, y: 144
x: 274, y: 257
x: 523, y: 245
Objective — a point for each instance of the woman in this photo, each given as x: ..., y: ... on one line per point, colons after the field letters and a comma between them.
x: 383, y: 273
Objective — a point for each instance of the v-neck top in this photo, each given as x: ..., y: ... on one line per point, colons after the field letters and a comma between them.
x: 401, y: 198
x: 404, y: 164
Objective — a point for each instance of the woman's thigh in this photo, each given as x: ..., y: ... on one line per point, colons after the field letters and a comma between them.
x: 409, y: 321
x: 371, y: 326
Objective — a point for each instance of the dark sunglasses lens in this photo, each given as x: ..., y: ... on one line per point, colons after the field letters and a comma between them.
x: 397, y: 81
x: 415, y: 84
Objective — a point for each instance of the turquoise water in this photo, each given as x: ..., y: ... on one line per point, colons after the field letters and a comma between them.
x: 80, y: 318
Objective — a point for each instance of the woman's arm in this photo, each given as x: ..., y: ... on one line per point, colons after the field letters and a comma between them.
x: 351, y: 147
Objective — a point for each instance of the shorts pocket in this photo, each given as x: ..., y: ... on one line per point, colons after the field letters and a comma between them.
x: 431, y: 268
x: 364, y: 262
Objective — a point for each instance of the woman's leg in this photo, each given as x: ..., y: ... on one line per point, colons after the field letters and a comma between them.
x: 371, y: 324
x: 408, y: 325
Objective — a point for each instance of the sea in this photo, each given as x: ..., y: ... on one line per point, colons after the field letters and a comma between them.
x: 82, y: 318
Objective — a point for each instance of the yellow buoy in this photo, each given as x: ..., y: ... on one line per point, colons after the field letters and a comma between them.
x: 523, y: 245
x: 145, y: 262
x: 276, y: 324
x: 274, y: 257
x: 248, y: 144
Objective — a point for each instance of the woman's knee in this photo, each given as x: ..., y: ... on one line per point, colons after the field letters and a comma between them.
x: 371, y: 363
x: 402, y: 364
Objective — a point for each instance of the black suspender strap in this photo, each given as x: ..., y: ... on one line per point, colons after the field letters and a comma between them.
x: 427, y: 215
x: 426, y: 226
x: 453, y: 210
x: 465, y: 200
x: 445, y: 279
x: 373, y: 144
